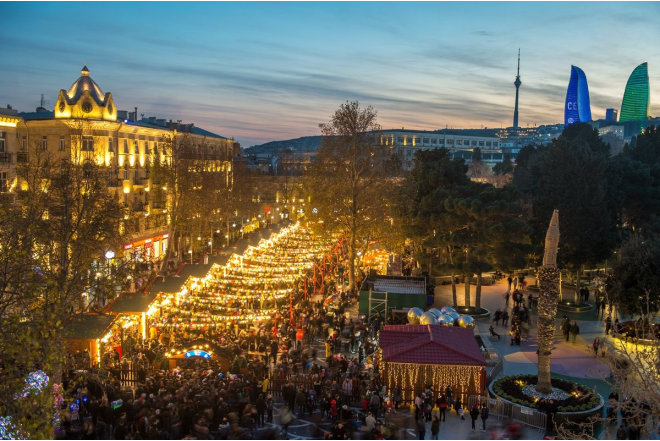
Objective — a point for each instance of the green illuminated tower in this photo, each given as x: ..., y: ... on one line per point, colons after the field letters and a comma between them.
x: 636, y: 98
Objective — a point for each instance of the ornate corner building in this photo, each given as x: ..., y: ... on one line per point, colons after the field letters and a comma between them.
x: 86, y: 126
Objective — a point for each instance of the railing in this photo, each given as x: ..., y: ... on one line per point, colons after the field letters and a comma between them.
x: 114, y: 182
x: 138, y: 206
x: 504, y: 409
x: 5, y: 157
x: 139, y: 181
x: 22, y: 156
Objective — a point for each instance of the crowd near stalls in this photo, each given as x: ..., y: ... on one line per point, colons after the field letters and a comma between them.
x: 222, y: 355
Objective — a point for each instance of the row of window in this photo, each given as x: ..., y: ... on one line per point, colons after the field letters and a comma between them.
x: 450, y: 141
x: 87, y: 145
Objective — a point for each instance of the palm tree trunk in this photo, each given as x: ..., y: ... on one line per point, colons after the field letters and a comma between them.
x: 477, y: 300
x: 467, y: 290
x: 577, y: 285
x: 547, y: 312
x: 453, y: 290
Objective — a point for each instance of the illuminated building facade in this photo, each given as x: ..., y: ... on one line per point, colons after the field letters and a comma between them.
x: 636, y: 98
x: 86, y: 126
x: 404, y: 143
x: 578, y: 107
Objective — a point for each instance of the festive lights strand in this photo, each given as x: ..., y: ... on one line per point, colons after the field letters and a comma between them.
x: 256, y: 278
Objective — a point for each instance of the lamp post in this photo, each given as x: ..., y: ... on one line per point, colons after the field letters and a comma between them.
x: 190, y: 251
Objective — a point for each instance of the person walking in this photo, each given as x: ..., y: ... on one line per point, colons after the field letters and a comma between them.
x: 396, y: 396
x: 261, y: 410
x: 575, y: 330
x: 515, y: 284
x: 484, y: 416
x: 566, y: 328
x: 505, y: 319
x: 435, y: 428
x: 595, y: 346
x: 510, y: 280
x: 474, y: 415
x: 269, y: 408
x: 421, y: 427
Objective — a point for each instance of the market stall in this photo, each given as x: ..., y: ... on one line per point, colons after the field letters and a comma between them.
x: 414, y: 356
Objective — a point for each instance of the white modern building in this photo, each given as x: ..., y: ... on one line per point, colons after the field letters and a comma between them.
x: 405, y: 143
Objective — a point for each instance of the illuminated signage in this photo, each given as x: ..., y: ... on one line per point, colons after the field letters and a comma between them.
x: 198, y: 353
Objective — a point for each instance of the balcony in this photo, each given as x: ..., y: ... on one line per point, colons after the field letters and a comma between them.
x: 138, y: 206
x: 115, y: 183
x: 22, y: 157
x: 5, y: 157
x: 139, y: 182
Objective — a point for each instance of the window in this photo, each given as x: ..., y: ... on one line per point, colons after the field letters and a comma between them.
x: 24, y: 143
x: 87, y: 170
x: 450, y: 142
x: 126, y: 172
x: 44, y: 143
x: 399, y: 139
x: 434, y: 141
x: 137, y: 149
x: 4, y: 182
x: 126, y: 146
x: 417, y: 141
x: 2, y: 142
x: 426, y: 141
x: 474, y: 143
x: 481, y: 143
x: 466, y: 142
x: 110, y: 150
x: 459, y: 142
x: 488, y: 143
x: 87, y: 145
x: 495, y: 144
x: 441, y: 141
x: 146, y: 147
x: 63, y: 145
x: 156, y: 148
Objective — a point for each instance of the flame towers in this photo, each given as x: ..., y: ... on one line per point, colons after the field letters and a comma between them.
x: 578, y: 107
x: 636, y: 98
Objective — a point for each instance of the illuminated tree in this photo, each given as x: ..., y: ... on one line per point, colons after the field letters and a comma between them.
x: 346, y: 181
x: 54, y: 230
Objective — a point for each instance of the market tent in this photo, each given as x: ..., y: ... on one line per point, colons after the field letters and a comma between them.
x: 415, y: 356
x: 132, y: 303
x: 85, y: 332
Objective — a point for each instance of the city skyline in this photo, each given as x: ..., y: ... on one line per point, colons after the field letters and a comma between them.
x: 268, y: 71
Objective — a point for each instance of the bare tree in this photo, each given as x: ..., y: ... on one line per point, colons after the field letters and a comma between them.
x: 346, y: 180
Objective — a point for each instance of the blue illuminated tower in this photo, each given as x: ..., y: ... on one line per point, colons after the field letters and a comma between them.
x: 517, y: 83
x: 578, y: 107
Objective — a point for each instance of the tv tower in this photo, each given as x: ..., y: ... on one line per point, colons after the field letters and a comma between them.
x: 517, y: 83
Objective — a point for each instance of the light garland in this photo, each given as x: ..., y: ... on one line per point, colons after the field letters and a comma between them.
x: 261, y: 277
x: 411, y: 377
x: 9, y: 430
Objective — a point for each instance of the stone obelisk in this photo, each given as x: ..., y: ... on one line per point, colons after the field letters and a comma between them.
x: 549, y: 276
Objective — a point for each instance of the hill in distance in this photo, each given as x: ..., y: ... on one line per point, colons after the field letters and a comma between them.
x: 300, y: 145
x: 308, y: 144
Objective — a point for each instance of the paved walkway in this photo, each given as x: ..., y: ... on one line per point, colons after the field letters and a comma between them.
x: 571, y: 359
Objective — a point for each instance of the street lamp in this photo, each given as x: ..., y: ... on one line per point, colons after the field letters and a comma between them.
x: 109, y: 254
x: 191, y: 255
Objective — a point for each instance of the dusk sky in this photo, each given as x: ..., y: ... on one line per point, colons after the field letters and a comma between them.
x: 269, y: 71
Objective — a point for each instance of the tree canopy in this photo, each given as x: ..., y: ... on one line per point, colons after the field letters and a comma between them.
x: 347, y: 181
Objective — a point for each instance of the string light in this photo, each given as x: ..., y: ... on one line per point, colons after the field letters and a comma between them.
x: 245, y: 290
x: 411, y: 377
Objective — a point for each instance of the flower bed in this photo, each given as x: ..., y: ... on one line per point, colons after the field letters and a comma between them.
x: 517, y: 390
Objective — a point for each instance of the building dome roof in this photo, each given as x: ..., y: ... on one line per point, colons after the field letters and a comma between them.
x: 82, y: 84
